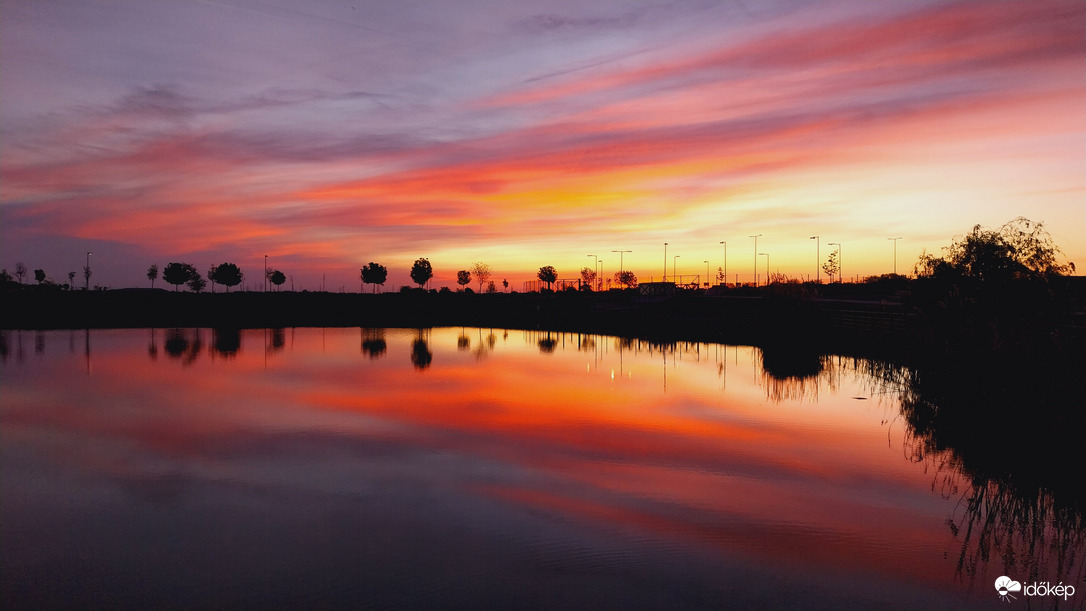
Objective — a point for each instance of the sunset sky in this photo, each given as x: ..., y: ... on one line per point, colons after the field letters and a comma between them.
x: 329, y: 134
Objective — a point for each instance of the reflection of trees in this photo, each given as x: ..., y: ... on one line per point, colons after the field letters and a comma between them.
x: 226, y: 342
x: 420, y: 352
x: 463, y: 342
x: 1008, y: 448
x: 278, y: 339
x: 179, y: 346
x: 547, y: 343
x: 373, y: 342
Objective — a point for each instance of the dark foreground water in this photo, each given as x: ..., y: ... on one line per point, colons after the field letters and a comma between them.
x: 477, y: 468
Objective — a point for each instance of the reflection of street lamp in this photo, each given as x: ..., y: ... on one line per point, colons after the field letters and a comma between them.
x: 818, y: 277
x: 895, y: 252
x: 725, y: 263
x: 755, y: 258
x: 838, y: 245
x: 766, y: 255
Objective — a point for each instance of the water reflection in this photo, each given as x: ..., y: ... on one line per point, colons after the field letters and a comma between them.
x: 691, y: 473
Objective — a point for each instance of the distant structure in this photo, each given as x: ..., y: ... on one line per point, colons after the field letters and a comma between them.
x: 656, y: 289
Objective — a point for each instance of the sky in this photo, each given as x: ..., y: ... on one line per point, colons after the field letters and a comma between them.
x: 329, y: 134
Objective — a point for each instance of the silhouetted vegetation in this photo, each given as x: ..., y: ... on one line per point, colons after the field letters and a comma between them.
x: 228, y: 275
x: 178, y: 274
x: 547, y: 274
x: 152, y: 274
x: 374, y: 274
x: 463, y: 277
x: 626, y: 278
x: 277, y: 278
x: 481, y: 272
x: 421, y: 271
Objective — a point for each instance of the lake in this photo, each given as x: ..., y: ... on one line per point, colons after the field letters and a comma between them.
x: 477, y: 468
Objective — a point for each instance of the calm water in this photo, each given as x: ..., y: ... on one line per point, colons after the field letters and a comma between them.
x: 478, y: 468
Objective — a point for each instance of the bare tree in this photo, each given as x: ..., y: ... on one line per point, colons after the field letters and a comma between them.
x: 481, y: 272
x: 152, y: 274
x: 20, y: 271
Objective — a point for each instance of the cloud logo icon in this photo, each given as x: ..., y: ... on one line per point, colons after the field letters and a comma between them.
x: 1005, y: 585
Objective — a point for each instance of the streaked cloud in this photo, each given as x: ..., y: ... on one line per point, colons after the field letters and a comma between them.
x: 528, y: 133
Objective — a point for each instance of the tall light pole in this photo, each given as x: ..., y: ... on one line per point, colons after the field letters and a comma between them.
x: 706, y: 273
x: 675, y: 267
x: 895, y: 252
x: 838, y: 245
x: 601, y: 274
x: 265, y: 274
x: 756, y: 258
x: 766, y: 255
x: 665, y: 261
x: 86, y: 273
x: 818, y: 277
x: 725, y: 263
x: 620, y: 252
x: 594, y: 265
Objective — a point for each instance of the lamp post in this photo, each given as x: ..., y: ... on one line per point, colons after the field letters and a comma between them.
x: 674, y: 267
x: 620, y: 253
x: 838, y: 245
x: 895, y: 252
x: 818, y: 277
x: 766, y: 255
x: 601, y: 274
x: 595, y: 264
x: 725, y: 263
x: 706, y: 273
x: 265, y: 274
x: 86, y: 273
x: 665, y: 261
x: 756, y: 258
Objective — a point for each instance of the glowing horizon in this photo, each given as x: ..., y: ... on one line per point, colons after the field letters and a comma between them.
x: 327, y: 135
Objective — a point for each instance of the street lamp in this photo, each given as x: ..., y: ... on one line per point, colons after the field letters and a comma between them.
x: 674, y: 267
x: 756, y: 258
x: 665, y: 261
x: 895, y: 252
x: 725, y: 263
x: 86, y: 273
x: 818, y: 277
x: 601, y: 274
x: 596, y: 264
x: 620, y: 252
x: 265, y: 274
x: 766, y: 255
x: 707, y: 273
x: 838, y: 245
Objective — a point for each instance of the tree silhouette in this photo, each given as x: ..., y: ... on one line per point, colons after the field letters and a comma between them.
x: 1020, y: 249
x: 152, y: 274
x: 463, y: 277
x: 39, y: 275
x: 277, y: 278
x: 86, y: 276
x: 588, y: 277
x: 421, y: 272
x: 505, y: 284
x: 228, y: 275
x: 481, y: 272
x: 20, y: 271
x: 178, y: 274
x: 71, y: 280
x: 547, y: 274
x: 490, y: 288
x: 831, y: 266
x: 374, y: 274
x: 626, y: 278
x: 196, y: 283
x: 211, y: 277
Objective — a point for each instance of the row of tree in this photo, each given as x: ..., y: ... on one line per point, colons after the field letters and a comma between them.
x: 226, y: 274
